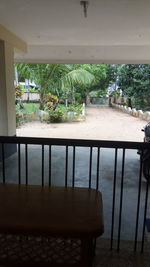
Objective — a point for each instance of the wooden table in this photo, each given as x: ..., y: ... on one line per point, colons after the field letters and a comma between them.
x: 68, y: 217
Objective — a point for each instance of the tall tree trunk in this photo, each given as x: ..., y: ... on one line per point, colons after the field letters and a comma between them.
x: 41, y: 101
x: 66, y: 101
x: 73, y: 95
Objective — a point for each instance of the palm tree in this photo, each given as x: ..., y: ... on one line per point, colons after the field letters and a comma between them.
x: 55, y: 78
x: 76, y: 76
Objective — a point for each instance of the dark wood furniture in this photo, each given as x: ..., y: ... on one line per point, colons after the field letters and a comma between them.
x: 49, y: 226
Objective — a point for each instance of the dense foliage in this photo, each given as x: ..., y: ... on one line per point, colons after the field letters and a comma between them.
x: 134, y: 80
x: 58, y: 79
x: 74, y: 82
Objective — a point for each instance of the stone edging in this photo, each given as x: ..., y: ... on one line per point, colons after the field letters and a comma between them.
x: 132, y: 111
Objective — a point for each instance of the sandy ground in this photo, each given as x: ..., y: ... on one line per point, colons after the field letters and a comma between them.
x: 101, y: 123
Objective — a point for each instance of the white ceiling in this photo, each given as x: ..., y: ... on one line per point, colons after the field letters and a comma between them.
x: 49, y: 25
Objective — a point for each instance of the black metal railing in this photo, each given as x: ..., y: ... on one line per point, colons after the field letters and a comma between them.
x: 108, y: 166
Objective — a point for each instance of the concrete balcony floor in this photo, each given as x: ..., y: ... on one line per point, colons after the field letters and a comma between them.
x: 124, y: 258
x: 106, y: 177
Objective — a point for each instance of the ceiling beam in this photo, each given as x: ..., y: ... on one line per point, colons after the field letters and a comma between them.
x: 119, y: 54
x: 13, y: 39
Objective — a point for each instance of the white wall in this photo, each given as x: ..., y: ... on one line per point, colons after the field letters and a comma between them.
x: 7, y: 91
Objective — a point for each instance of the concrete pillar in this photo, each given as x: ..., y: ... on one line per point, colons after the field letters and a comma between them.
x: 7, y: 91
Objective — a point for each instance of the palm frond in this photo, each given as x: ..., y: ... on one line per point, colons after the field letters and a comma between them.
x: 78, y: 76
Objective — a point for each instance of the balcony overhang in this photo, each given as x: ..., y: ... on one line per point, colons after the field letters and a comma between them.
x: 16, y: 42
x: 116, y: 54
x: 58, y: 32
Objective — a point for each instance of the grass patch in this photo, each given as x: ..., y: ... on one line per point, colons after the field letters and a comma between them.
x: 30, y: 107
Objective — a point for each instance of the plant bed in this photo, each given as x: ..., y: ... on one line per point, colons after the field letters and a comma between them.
x: 64, y: 114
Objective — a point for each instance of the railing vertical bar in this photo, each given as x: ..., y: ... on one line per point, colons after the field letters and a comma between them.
x: 26, y: 162
x: 121, y: 199
x: 3, y: 163
x: 145, y: 212
x: 42, y: 165
x: 66, y: 168
x: 138, y: 202
x: 97, y: 176
x: 19, y: 165
x: 90, y: 167
x: 73, y: 167
x: 114, y: 195
x: 50, y: 165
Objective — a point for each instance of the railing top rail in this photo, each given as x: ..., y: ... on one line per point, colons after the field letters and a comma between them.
x: 73, y: 142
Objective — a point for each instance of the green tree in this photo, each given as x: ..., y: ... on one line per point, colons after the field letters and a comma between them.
x: 100, y: 83
x: 80, y: 78
x: 134, y: 80
x: 54, y: 78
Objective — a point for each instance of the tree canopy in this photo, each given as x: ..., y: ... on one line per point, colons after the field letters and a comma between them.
x: 55, y: 78
x: 134, y: 80
x: 78, y: 80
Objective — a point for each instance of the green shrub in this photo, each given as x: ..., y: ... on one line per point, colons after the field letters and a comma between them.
x: 26, y: 113
x: 61, y: 113
x: 72, y: 107
x: 50, y: 101
x: 98, y: 93
x: 115, y: 93
x: 20, y: 119
x: 77, y: 108
x: 55, y: 116
x: 19, y: 91
x: 129, y: 102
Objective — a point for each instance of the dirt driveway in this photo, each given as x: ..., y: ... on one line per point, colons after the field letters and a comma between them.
x: 102, y: 123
